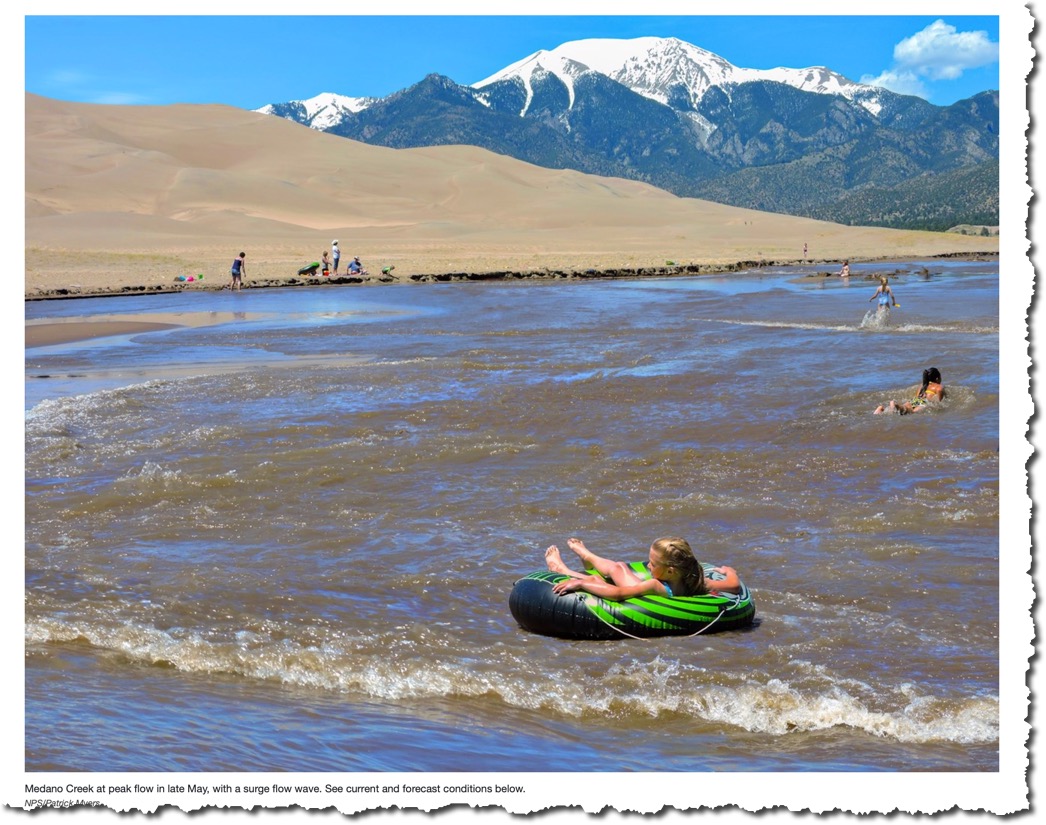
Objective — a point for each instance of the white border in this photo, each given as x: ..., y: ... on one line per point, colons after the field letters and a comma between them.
x: 1002, y: 792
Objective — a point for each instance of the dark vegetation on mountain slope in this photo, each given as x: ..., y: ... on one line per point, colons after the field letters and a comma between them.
x: 764, y: 145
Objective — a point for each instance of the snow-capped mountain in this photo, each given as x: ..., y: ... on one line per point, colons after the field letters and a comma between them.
x: 665, y: 69
x: 661, y: 67
x: 320, y: 112
x: 802, y: 141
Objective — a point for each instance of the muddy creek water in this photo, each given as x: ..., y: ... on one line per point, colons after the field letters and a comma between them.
x: 287, y: 539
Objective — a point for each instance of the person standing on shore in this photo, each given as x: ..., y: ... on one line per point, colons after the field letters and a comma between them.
x: 326, y: 263
x: 238, y: 270
x: 805, y: 248
x: 336, y: 255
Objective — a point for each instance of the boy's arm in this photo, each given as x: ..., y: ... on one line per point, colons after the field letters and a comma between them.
x: 614, y: 592
x: 731, y: 583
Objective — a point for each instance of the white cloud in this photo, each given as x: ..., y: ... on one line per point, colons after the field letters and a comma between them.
x: 66, y: 77
x: 939, y: 52
x: 904, y: 83
x: 63, y: 81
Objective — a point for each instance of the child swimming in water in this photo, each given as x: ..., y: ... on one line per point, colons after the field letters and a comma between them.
x: 931, y: 390
x: 674, y: 572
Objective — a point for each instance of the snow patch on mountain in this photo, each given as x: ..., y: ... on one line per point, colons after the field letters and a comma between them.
x: 703, y: 128
x: 567, y: 69
x: 658, y: 67
x: 327, y: 109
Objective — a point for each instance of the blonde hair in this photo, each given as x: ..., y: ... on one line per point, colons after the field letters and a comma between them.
x: 675, y: 552
x: 883, y: 281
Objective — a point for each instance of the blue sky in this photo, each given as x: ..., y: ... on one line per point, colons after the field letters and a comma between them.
x: 248, y: 61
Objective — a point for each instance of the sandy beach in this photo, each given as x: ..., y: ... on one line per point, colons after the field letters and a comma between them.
x: 131, y: 199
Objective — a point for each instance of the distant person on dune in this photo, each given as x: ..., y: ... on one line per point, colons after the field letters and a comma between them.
x: 884, y: 294
x: 238, y: 270
x: 931, y: 390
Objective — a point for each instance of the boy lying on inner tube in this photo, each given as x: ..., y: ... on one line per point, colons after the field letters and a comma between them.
x: 674, y: 572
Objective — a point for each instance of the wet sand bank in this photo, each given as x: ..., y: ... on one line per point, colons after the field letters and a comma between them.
x: 119, y: 287
x: 43, y: 333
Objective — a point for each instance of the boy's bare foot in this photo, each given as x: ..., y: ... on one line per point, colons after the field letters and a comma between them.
x: 578, y: 546
x: 555, y: 561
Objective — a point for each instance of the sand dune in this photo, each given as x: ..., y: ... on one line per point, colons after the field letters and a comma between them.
x: 121, y: 195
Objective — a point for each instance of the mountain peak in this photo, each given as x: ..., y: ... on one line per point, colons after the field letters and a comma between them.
x: 660, y: 67
x: 322, y: 111
x: 664, y: 111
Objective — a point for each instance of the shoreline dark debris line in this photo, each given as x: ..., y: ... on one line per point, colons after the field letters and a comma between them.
x: 449, y: 277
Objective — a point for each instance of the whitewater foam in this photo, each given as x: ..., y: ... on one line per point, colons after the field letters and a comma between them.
x: 643, y: 689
